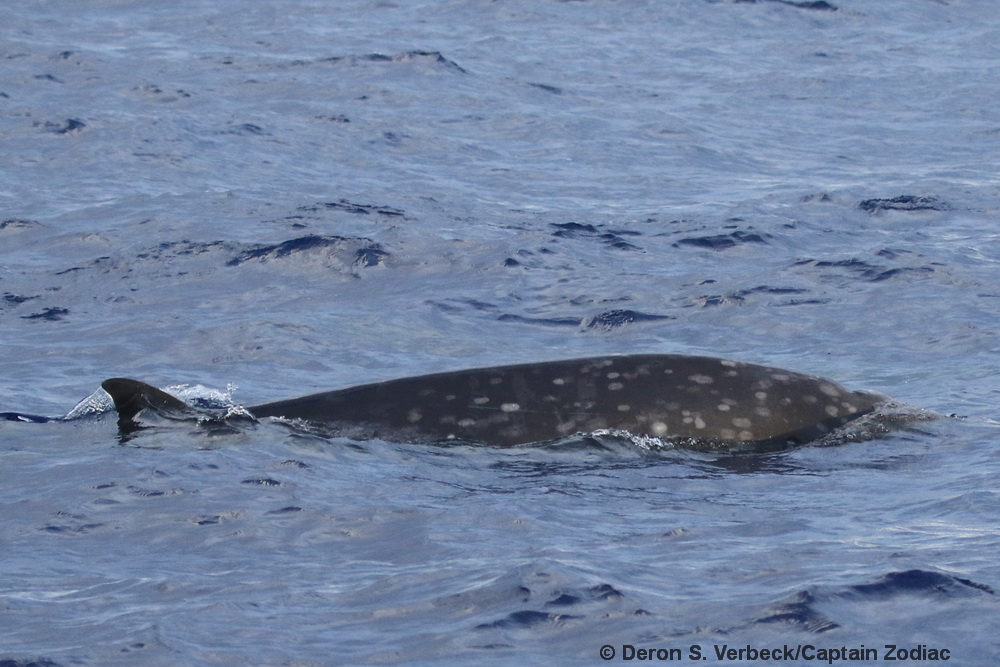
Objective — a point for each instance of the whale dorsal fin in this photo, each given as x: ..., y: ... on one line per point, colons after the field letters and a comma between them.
x: 132, y: 396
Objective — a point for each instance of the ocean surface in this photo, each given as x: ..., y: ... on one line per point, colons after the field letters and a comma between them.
x: 264, y: 200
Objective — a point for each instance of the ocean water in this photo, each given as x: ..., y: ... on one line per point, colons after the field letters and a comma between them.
x: 273, y: 199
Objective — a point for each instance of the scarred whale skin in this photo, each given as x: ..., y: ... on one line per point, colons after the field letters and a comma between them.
x: 671, y: 397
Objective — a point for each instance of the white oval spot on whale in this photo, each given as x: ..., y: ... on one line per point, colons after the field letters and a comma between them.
x: 760, y: 395
x: 413, y: 416
x: 510, y: 407
x: 727, y: 362
x: 701, y: 379
x: 481, y: 400
x: 616, y: 386
x: 624, y: 408
x: 742, y: 422
x: 699, y: 423
x: 613, y: 375
x: 722, y: 407
x: 829, y: 389
x: 832, y: 410
x: 559, y: 381
x: 658, y: 428
x: 466, y: 423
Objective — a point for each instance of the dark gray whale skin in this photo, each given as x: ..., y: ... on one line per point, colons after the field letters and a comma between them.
x: 683, y: 399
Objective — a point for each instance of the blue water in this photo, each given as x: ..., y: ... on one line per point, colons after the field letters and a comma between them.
x: 286, y: 197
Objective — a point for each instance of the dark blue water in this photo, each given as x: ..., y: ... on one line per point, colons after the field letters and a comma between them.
x: 271, y: 199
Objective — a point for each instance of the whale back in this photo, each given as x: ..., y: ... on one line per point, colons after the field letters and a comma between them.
x: 671, y: 397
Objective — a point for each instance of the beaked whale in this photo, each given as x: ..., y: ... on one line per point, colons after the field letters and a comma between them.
x: 687, y: 400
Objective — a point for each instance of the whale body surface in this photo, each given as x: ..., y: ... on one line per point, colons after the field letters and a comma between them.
x: 683, y: 399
